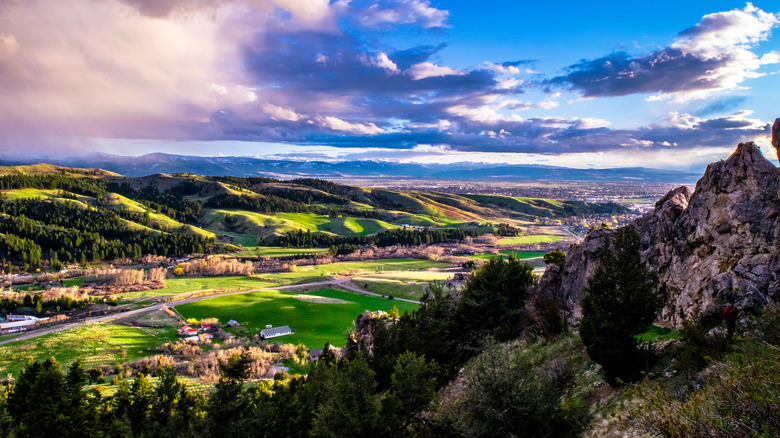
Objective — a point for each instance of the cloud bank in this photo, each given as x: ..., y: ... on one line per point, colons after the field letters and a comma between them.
x: 305, y: 72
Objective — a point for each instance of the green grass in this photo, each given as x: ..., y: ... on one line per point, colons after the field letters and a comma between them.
x: 27, y: 287
x: 175, y: 286
x: 309, y: 274
x: 657, y: 334
x: 15, y: 194
x: 315, y: 322
x: 412, y: 290
x: 520, y: 255
x: 527, y: 240
x: 75, y: 281
x: 273, y: 251
x: 95, y: 344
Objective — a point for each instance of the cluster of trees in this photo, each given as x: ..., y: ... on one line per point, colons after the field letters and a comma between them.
x: 36, y: 230
x: 171, y: 202
x: 37, y: 305
x: 399, y: 236
x: 507, y: 230
x: 303, y: 196
x: 85, y: 186
x: 267, y: 204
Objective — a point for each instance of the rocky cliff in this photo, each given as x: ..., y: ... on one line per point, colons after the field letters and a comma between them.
x: 715, y: 245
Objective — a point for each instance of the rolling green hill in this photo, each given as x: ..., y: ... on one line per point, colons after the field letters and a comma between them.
x: 240, y: 211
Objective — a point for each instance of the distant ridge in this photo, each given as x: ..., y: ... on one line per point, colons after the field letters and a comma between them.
x: 50, y: 169
x: 286, y: 169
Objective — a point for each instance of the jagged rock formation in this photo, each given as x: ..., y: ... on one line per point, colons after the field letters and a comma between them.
x: 716, y: 245
x: 776, y: 137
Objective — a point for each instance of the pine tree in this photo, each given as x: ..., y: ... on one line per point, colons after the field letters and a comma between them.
x: 618, y: 303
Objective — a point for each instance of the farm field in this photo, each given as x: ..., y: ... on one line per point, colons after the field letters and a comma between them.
x: 274, y: 251
x: 175, y: 286
x: 95, y: 344
x: 526, y: 240
x: 309, y: 274
x: 324, y: 315
x: 520, y: 255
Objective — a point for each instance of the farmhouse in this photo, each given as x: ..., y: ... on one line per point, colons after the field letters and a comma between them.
x: 188, y: 331
x: 314, y: 354
x: 276, y: 331
x: 17, y: 323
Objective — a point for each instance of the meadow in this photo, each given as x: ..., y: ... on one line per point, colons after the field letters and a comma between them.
x: 527, y: 240
x: 95, y: 344
x: 324, y: 315
x: 275, y: 251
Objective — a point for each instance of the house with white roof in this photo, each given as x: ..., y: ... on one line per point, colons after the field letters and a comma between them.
x: 274, y: 332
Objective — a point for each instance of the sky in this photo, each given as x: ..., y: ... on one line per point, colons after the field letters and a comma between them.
x: 671, y: 85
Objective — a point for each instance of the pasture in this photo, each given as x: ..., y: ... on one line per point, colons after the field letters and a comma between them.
x: 528, y: 240
x: 95, y: 344
x: 324, y: 315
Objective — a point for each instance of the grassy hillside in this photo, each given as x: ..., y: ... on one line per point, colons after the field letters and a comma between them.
x: 262, y: 211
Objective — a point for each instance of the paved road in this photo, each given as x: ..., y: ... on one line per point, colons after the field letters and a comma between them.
x: 107, y: 318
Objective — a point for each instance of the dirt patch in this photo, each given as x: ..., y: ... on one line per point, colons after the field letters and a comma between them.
x: 320, y: 300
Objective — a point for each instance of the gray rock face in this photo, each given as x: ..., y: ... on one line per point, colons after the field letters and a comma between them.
x: 776, y: 137
x: 716, y: 245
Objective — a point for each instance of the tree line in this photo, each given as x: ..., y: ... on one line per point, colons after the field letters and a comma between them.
x: 398, y: 236
x: 59, y: 232
x: 85, y: 186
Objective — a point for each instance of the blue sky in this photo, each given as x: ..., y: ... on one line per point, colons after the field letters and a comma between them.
x: 580, y: 84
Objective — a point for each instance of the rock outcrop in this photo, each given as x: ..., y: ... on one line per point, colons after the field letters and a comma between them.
x: 776, y: 137
x: 716, y: 245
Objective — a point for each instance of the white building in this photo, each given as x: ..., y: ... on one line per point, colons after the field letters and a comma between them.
x: 276, y: 331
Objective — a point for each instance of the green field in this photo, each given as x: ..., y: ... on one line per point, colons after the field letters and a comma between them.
x: 175, y: 286
x: 95, y: 344
x: 327, y: 317
x: 527, y: 240
x: 309, y: 274
x: 520, y: 255
x: 275, y: 251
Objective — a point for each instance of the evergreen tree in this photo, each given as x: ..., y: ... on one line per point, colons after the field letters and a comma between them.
x: 493, y: 302
x: 618, y: 303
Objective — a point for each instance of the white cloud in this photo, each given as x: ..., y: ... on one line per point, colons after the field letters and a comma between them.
x: 337, y: 124
x: 384, y: 62
x: 404, y: 12
x: 280, y: 113
x: 429, y: 70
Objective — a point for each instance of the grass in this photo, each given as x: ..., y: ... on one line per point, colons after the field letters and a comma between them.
x: 95, y: 344
x: 520, y: 255
x: 27, y: 288
x: 412, y: 290
x: 309, y: 274
x: 304, y: 274
x: 75, y: 281
x: 657, y: 334
x: 15, y: 194
x: 315, y: 322
x: 175, y: 286
x: 528, y: 240
x: 272, y: 251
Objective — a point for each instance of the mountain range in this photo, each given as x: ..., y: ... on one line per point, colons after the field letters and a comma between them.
x: 285, y: 169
